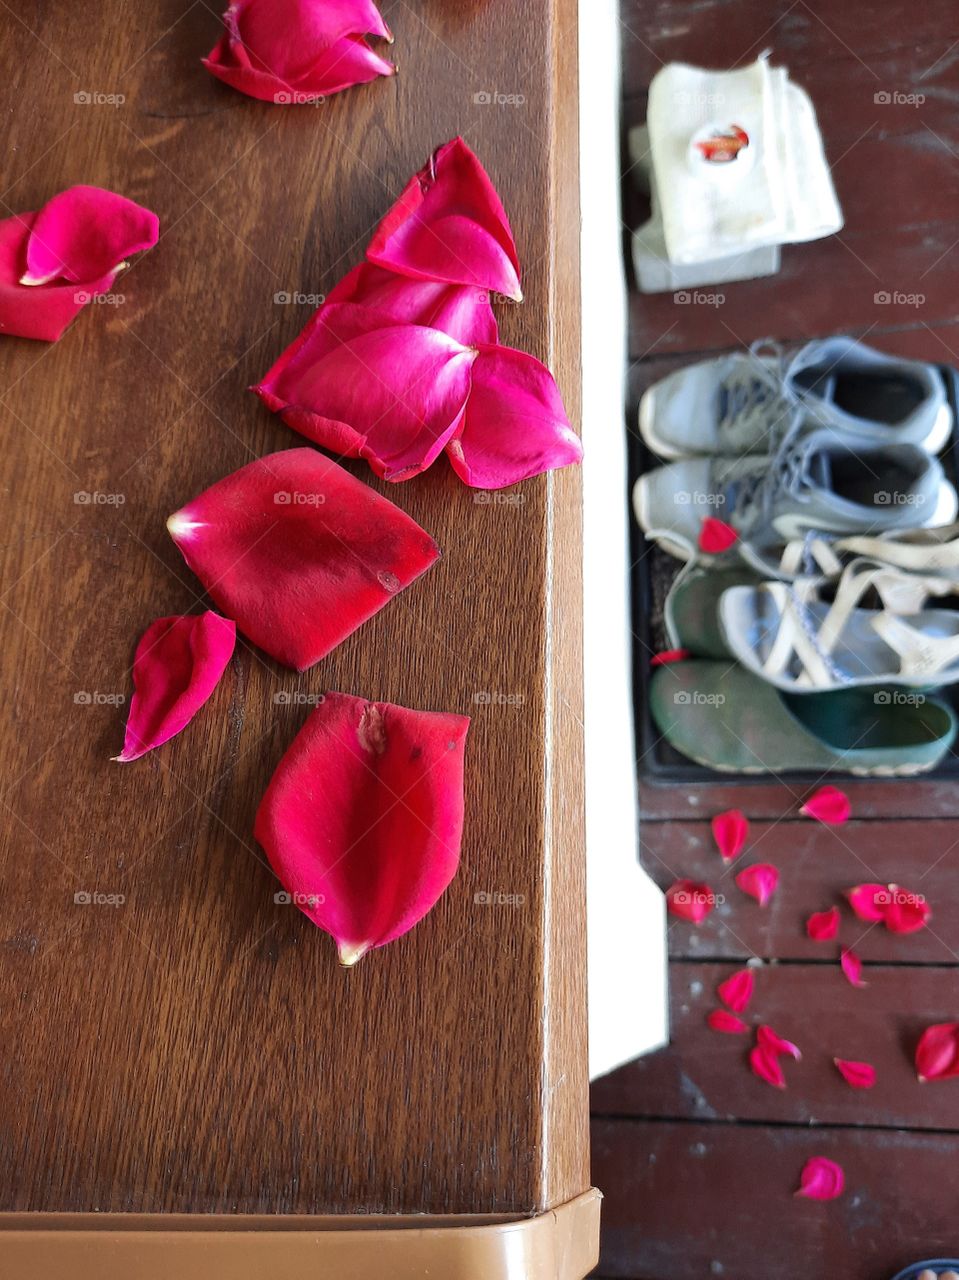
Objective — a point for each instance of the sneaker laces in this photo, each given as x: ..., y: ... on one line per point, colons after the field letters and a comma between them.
x: 753, y: 387
x: 786, y: 472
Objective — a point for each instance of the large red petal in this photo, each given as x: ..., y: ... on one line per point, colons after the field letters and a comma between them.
x: 364, y: 386
x: 690, y: 900
x: 821, y: 1179
x: 829, y: 805
x: 868, y: 901
x: 84, y: 234
x: 42, y: 312
x: 906, y: 912
x: 737, y: 991
x: 462, y: 311
x: 766, y: 1038
x: 765, y: 1064
x: 363, y: 818
x: 728, y: 1023
x: 716, y: 536
x: 937, y: 1053
x: 823, y: 925
x: 515, y: 425
x: 349, y: 62
x: 859, y: 1075
x: 449, y: 224
x: 730, y: 831
x: 759, y: 881
x: 299, y: 552
x: 851, y: 966
x: 177, y: 665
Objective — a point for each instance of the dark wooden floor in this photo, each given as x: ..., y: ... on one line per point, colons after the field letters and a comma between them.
x: 697, y: 1159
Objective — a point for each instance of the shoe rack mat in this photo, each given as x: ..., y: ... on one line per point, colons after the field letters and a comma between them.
x: 652, y: 574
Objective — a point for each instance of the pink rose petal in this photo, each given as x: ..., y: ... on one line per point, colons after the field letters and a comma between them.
x: 364, y: 386
x: 766, y: 1065
x: 460, y: 310
x: 759, y: 881
x: 667, y: 656
x: 859, y: 1075
x: 868, y: 901
x: 177, y: 666
x: 85, y: 234
x: 41, y: 313
x: 449, y: 224
x: 937, y: 1053
x: 715, y: 536
x: 730, y: 830
x: 726, y: 1022
x: 906, y: 912
x: 295, y: 51
x: 363, y: 818
x: 299, y: 552
x: 851, y: 966
x: 829, y: 805
x: 821, y: 1179
x: 690, y: 900
x: 737, y: 991
x: 767, y: 1039
x: 515, y: 425
x: 823, y: 925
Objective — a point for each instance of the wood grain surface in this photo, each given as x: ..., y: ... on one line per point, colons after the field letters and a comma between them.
x: 195, y: 1047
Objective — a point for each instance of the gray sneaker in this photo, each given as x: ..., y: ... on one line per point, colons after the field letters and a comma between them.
x: 746, y: 401
x: 816, y: 480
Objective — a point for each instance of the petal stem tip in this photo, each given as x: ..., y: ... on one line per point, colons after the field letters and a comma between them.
x: 349, y: 953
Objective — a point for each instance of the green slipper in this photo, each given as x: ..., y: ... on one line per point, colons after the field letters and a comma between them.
x: 727, y: 719
x: 691, y: 611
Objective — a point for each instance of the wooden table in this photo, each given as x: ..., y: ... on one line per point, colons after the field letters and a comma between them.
x: 195, y: 1049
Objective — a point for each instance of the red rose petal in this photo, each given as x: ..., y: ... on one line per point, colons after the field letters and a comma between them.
x: 821, y: 1179
x: 299, y: 552
x: 363, y: 818
x: 364, y: 386
x: 737, y: 991
x: 766, y: 1065
x: 859, y: 1075
x: 728, y: 1023
x: 715, y: 536
x: 759, y: 881
x: 84, y: 234
x: 515, y: 425
x: 823, y: 925
x: 40, y: 313
x: 177, y: 666
x: 851, y: 966
x: 690, y: 900
x: 294, y: 51
x: 937, y: 1053
x: 663, y: 658
x: 868, y: 901
x: 462, y: 311
x: 906, y: 912
x: 767, y: 1039
x: 829, y: 805
x: 449, y: 224
x: 730, y: 830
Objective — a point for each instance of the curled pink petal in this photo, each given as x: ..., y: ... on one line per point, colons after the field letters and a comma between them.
x: 937, y: 1053
x: 515, y: 425
x: 851, y: 966
x: 829, y: 805
x: 364, y: 386
x: 821, y: 1179
x: 730, y: 830
x: 690, y: 900
x: 716, y: 536
x: 85, y: 234
x: 299, y: 552
x: 868, y: 901
x: 823, y: 925
x: 295, y: 51
x: 40, y: 313
x: 363, y: 818
x: 728, y: 1023
x: 766, y: 1038
x: 737, y: 991
x: 766, y: 1065
x: 449, y: 224
x: 906, y: 912
x: 460, y: 310
x: 859, y: 1075
x: 759, y: 881
x: 178, y: 664
x: 666, y: 656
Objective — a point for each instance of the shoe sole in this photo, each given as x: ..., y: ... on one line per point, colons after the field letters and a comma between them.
x: 937, y: 439
x: 857, y: 771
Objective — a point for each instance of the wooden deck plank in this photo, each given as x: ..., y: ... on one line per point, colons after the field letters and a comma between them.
x: 703, y: 1074
x: 699, y: 1201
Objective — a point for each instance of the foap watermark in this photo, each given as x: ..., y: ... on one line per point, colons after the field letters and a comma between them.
x: 696, y: 896
x: 94, y: 98
x: 493, y: 98
x: 696, y: 698
x: 698, y: 298
x: 494, y: 698
x: 497, y: 299
x: 893, y: 896
x: 493, y: 898
x: 284, y: 899
x: 86, y: 498
x: 898, y: 698
x: 291, y: 98
x: 899, y: 498
x: 83, y: 298
x: 896, y: 298
x: 696, y: 498
x: 896, y: 98
x: 298, y: 498
x: 686, y: 98
x: 298, y: 698
x: 497, y: 498
x: 94, y: 898
x: 285, y: 299
x: 94, y: 698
